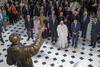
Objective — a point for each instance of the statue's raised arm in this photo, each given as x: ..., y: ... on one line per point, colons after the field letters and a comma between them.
x: 21, y: 55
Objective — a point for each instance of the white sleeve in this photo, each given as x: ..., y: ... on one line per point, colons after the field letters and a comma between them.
x: 66, y: 31
x: 58, y: 30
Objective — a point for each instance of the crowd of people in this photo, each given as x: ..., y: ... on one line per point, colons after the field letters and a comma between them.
x: 63, y: 20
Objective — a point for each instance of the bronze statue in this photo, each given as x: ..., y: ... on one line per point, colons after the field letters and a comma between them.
x: 21, y: 55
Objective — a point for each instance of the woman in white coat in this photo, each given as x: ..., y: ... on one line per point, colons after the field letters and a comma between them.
x: 62, y: 31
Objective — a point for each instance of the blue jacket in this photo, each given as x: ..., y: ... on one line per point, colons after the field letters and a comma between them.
x: 75, y: 29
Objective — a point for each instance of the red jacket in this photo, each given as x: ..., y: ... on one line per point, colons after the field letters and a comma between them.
x: 13, y: 10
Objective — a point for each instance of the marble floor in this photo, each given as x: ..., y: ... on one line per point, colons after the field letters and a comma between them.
x: 51, y: 56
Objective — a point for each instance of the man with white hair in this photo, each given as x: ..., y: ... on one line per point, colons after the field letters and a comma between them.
x: 85, y: 22
x: 62, y: 31
x: 94, y: 32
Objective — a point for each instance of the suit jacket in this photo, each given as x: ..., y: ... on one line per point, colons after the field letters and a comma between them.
x: 29, y: 24
x: 32, y: 9
x: 95, y: 29
x: 26, y: 11
x: 75, y: 17
x: 53, y: 26
x: 37, y: 11
x: 60, y: 18
x: 85, y: 23
x: 75, y: 29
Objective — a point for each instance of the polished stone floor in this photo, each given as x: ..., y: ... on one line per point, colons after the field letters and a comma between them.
x: 51, y: 56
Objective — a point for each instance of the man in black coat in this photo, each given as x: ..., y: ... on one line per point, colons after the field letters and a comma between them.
x: 1, y: 30
x: 53, y: 28
x: 75, y: 15
x: 32, y: 9
x: 29, y: 26
x: 26, y: 11
x: 75, y: 28
x: 37, y: 10
x: 85, y: 21
x: 61, y: 17
x: 94, y: 32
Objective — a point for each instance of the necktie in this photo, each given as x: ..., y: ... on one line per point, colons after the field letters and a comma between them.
x: 85, y: 18
x: 53, y: 21
x: 75, y: 25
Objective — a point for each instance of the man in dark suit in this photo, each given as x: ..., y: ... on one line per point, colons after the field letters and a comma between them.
x: 94, y: 32
x: 75, y: 28
x: 31, y: 9
x: 85, y: 21
x: 37, y: 9
x: 29, y: 26
x: 1, y: 30
x: 61, y: 17
x: 53, y: 27
x: 75, y: 15
x: 26, y: 11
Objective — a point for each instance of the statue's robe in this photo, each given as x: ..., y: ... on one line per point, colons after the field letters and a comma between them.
x: 21, y: 55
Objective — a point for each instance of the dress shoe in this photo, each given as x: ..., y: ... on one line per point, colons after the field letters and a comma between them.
x: 51, y: 41
x: 93, y: 47
x: 72, y: 44
x: 33, y: 40
x: 75, y: 46
x: 27, y: 39
x: 2, y: 41
x: 67, y: 46
x: 90, y: 45
x: 81, y: 36
x: 55, y: 41
x: 84, y: 40
x: 69, y: 42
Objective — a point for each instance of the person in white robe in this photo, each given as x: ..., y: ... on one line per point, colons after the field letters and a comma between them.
x: 62, y: 31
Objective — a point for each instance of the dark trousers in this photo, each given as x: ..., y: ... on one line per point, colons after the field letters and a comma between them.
x: 74, y: 39
x: 84, y: 33
x: 25, y: 25
x: 69, y: 36
x: 30, y: 34
x: 98, y: 39
x: 69, y: 31
x: 54, y: 36
x: 93, y: 40
x: 4, y: 24
x: 1, y: 38
x: 13, y: 19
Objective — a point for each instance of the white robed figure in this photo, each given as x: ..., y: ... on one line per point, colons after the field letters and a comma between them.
x: 62, y: 31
